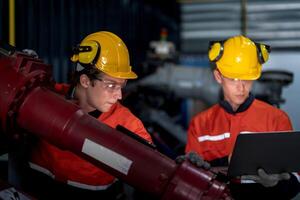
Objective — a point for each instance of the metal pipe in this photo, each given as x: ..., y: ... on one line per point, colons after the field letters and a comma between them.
x: 244, y: 17
x: 28, y: 103
x: 12, y: 32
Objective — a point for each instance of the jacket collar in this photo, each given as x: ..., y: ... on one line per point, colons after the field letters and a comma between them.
x: 244, y: 106
x: 95, y: 113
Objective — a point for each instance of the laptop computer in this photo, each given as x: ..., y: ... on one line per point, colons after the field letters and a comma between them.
x: 275, y: 152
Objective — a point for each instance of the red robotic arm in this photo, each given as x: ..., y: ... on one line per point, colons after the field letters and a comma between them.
x: 27, y: 102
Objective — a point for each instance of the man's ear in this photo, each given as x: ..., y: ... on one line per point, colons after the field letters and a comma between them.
x: 84, y: 81
x: 217, y: 76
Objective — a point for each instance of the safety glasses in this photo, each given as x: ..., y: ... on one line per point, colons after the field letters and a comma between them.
x: 111, y: 86
x: 235, y: 81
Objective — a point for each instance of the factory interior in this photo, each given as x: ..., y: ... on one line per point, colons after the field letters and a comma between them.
x: 168, y: 43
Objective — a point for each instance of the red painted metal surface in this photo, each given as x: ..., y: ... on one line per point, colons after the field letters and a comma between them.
x: 27, y: 102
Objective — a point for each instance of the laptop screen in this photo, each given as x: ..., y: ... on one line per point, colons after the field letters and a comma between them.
x: 275, y: 152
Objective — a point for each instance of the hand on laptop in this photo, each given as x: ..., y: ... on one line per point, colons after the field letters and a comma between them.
x: 267, y: 180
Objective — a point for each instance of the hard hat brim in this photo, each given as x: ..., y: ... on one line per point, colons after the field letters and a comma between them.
x: 253, y: 75
x: 122, y: 75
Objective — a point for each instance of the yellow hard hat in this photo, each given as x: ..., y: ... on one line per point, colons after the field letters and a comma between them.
x: 239, y: 57
x: 107, y: 52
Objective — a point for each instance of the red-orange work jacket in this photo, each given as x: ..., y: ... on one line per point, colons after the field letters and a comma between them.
x: 69, y: 168
x: 212, y: 133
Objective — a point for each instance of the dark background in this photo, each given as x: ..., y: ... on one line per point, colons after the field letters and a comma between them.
x: 53, y: 27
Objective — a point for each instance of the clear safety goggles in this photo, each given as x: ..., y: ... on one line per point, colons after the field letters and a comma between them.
x: 236, y: 81
x: 112, y: 86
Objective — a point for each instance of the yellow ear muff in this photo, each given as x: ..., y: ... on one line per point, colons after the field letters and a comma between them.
x: 88, y: 52
x: 215, y: 51
x: 263, y: 52
x: 75, y: 58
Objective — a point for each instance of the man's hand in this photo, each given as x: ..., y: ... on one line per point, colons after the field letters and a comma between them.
x: 194, y: 158
x: 267, y: 180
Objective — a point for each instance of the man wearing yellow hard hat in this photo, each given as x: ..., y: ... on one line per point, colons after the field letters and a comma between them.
x: 212, y: 133
x: 102, y: 70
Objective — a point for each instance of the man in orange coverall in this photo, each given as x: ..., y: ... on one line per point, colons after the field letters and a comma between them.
x: 102, y: 71
x: 212, y: 133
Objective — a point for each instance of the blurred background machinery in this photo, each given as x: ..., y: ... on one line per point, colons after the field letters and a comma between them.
x: 168, y: 42
x: 179, y: 29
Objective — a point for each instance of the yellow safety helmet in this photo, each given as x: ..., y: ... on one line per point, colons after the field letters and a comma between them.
x: 239, y: 57
x: 107, y: 52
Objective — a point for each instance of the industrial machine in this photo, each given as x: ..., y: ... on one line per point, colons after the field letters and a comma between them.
x: 26, y: 95
x: 269, y: 86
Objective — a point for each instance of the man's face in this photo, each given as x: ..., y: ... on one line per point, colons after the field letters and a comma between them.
x: 104, y: 91
x: 235, y: 91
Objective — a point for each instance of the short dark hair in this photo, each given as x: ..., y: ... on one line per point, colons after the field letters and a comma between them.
x: 91, y: 72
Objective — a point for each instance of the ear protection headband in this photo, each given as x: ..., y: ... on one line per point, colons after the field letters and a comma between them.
x: 263, y: 52
x: 216, y: 49
x: 86, y: 53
